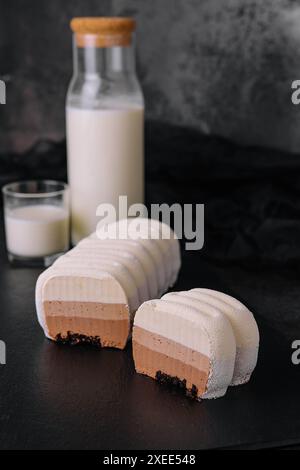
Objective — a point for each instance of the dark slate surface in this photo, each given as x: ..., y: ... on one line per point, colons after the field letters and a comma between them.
x: 56, y: 397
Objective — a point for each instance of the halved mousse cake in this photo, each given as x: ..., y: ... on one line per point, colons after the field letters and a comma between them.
x: 90, y: 294
x: 181, y: 343
x: 190, y: 339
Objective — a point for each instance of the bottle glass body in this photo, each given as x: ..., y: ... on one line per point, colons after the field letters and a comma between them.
x: 105, y: 132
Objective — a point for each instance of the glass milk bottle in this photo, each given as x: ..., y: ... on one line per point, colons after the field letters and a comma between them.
x: 105, y: 121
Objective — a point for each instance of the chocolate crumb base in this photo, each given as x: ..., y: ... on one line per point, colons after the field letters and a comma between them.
x: 170, y: 381
x: 74, y: 339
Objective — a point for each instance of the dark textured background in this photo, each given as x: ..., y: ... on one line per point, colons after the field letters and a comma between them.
x: 221, y: 66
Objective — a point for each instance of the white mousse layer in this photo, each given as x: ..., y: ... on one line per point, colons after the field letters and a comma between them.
x: 244, y: 327
x: 155, y: 236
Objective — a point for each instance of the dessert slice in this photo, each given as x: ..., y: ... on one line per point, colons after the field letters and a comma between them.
x: 83, y: 305
x: 187, y: 342
x: 91, y: 293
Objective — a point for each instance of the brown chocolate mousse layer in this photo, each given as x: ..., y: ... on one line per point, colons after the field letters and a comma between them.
x: 153, y: 353
x: 66, y: 317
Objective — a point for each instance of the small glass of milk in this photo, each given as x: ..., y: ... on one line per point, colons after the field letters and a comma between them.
x: 36, y: 216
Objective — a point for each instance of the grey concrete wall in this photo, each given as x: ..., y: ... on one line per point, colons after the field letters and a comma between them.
x: 222, y: 66
x: 36, y: 62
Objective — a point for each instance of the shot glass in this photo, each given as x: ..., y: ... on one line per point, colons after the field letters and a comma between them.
x: 36, y: 219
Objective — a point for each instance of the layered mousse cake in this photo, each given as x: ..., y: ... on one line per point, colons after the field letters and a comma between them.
x: 201, y: 340
x: 90, y: 294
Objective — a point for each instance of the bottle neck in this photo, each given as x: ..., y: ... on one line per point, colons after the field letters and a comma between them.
x: 104, y: 62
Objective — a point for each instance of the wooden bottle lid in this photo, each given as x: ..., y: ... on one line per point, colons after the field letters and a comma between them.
x: 103, y: 31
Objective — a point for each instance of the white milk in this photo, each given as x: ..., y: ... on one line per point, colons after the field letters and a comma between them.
x: 36, y: 230
x: 105, y: 160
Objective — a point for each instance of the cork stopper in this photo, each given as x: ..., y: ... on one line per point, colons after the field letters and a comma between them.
x: 103, y: 31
